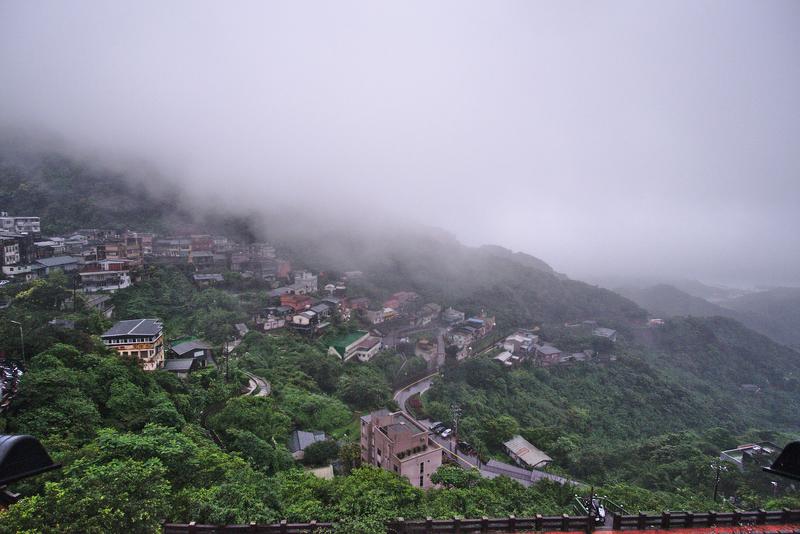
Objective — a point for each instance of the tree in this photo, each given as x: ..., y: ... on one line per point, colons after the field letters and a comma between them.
x: 497, y: 430
x: 310, y: 410
x: 120, y: 496
x: 350, y: 456
x: 320, y: 452
x: 255, y: 414
x: 451, y: 476
x: 364, y: 388
x: 369, y: 497
x: 261, y: 454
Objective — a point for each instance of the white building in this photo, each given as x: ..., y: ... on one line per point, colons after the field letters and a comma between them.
x: 304, y: 282
x: 105, y: 275
x: 26, y: 225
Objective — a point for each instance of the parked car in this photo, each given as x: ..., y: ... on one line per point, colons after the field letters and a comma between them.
x: 447, y: 433
x: 441, y: 427
x: 433, y: 425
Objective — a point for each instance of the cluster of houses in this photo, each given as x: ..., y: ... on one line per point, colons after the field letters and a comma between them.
x: 106, y: 260
x: 525, y: 345
x: 399, y: 307
x: 465, y: 332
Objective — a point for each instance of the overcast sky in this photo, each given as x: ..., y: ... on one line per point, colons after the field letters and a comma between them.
x: 607, y: 138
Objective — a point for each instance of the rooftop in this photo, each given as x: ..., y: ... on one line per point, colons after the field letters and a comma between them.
x: 57, y: 261
x: 211, y: 277
x: 548, y: 349
x: 178, y: 364
x: 525, y: 451
x: 188, y: 346
x: 347, y: 340
x: 135, y: 327
x: 300, y: 439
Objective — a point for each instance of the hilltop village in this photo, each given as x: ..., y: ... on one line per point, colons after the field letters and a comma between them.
x: 101, y: 262
x: 293, y: 366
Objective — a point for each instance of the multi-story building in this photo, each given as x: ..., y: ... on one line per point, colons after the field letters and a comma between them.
x: 452, y: 316
x: 397, y: 443
x: 9, y: 251
x: 28, y: 225
x: 177, y: 249
x: 105, y: 275
x: 304, y: 282
x: 142, y: 339
x: 59, y: 263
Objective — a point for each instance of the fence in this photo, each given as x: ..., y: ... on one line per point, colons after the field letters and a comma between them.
x: 485, y: 524
x: 283, y: 527
x: 563, y: 523
x: 669, y: 520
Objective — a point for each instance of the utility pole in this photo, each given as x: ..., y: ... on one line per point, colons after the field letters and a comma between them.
x: 719, y: 468
x: 21, y: 339
x: 227, y: 358
x: 455, y: 410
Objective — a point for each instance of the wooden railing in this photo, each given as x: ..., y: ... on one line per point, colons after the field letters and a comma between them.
x: 563, y: 523
x: 669, y: 520
x: 486, y: 524
x: 284, y: 527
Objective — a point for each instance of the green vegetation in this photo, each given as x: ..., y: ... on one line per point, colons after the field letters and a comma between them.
x: 646, y: 425
x: 139, y: 448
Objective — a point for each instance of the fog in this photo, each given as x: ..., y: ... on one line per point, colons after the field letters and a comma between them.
x: 609, y: 139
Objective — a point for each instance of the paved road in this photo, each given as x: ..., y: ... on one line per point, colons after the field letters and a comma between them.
x: 258, y: 386
x: 491, y: 469
x: 420, y: 386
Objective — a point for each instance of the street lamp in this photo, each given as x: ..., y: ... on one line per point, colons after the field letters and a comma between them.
x: 21, y: 338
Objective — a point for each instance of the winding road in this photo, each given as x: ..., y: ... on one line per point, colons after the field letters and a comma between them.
x: 258, y: 387
x: 491, y: 469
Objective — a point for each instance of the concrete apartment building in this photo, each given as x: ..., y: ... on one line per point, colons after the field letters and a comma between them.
x: 105, y: 275
x: 396, y: 443
x: 27, y: 225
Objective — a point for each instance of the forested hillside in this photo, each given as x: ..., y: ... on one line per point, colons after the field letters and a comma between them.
x: 642, y: 422
x: 773, y: 313
x: 517, y: 288
x: 682, y: 382
x: 664, y: 300
x: 68, y: 195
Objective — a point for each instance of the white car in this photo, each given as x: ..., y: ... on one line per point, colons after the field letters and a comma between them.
x: 4, y: 282
x: 447, y: 433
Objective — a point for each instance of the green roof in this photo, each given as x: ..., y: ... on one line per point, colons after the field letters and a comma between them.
x: 341, y: 343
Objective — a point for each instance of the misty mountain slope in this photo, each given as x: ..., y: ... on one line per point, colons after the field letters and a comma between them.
x: 774, y: 313
x: 717, y: 355
x: 664, y: 300
x: 68, y: 195
x: 519, y: 289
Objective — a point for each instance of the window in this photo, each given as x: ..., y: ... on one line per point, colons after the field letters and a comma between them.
x: 379, y: 452
x: 420, y: 482
x: 421, y: 468
x: 396, y: 470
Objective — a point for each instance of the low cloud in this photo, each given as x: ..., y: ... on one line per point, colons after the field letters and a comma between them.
x: 623, y: 139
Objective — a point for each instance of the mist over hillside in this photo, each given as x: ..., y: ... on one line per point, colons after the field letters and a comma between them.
x: 774, y: 313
